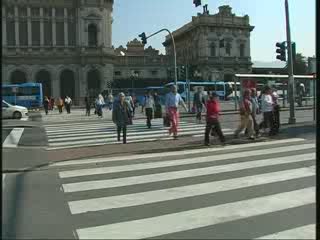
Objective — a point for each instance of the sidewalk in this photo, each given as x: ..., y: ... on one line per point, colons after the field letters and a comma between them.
x: 182, y: 143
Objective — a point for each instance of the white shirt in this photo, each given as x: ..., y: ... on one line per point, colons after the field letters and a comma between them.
x: 149, y: 102
x: 266, y: 103
x: 68, y: 100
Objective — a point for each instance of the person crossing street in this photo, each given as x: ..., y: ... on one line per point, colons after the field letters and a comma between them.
x: 149, y: 106
x: 173, y: 100
x: 212, y: 118
x: 198, y: 102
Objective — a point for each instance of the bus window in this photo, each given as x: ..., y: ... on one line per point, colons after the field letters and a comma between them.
x: 7, y: 91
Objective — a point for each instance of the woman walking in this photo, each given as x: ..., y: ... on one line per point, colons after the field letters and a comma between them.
x: 267, y: 110
x: 120, y: 117
x: 173, y: 100
x: 60, y: 104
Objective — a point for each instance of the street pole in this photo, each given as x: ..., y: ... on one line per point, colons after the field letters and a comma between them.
x: 174, y: 53
x: 188, y: 85
x: 291, y: 95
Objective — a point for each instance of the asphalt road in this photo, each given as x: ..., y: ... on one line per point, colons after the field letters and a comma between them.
x: 47, y: 197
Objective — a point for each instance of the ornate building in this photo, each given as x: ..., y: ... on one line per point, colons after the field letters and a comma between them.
x: 216, y: 46
x: 64, y: 44
x: 137, y: 67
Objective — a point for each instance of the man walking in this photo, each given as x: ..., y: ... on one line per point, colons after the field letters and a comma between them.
x: 173, y: 100
x: 68, y: 102
x: 120, y: 117
x: 149, y: 106
x: 198, y: 102
x: 88, y: 105
x: 267, y: 110
x: 245, y: 115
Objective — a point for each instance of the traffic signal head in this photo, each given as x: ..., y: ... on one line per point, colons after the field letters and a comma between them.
x: 197, y: 3
x: 294, y: 53
x: 143, y: 38
x: 281, y: 49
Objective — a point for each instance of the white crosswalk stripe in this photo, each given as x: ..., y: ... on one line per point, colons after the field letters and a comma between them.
x: 71, y: 135
x: 193, y: 193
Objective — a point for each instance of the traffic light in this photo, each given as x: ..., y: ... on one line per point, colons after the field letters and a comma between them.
x: 293, y: 52
x: 143, y: 38
x: 182, y: 73
x: 281, y: 49
x: 197, y: 3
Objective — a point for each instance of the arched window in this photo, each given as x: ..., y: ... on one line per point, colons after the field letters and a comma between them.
x: 18, y: 77
x: 93, y: 82
x: 92, y: 35
x: 228, y: 48
x: 213, y: 52
x: 44, y: 77
x: 242, y: 48
x: 67, y: 84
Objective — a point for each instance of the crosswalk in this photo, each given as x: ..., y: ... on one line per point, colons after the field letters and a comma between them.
x: 82, y: 134
x: 260, y: 190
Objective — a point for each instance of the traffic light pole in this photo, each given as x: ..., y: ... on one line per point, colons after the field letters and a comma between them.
x: 292, y: 119
x: 174, y: 53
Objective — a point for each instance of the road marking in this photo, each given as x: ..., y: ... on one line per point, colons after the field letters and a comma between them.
x: 180, y: 162
x: 24, y: 119
x: 12, y: 140
x: 193, y: 219
x: 177, y: 153
x: 304, y: 232
x: 151, y: 178
x: 143, y: 198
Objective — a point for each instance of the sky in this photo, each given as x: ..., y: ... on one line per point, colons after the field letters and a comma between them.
x: 132, y: 17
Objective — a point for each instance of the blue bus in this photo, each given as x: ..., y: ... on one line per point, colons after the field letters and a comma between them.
x: 223, y: 89
x: 28, y: 95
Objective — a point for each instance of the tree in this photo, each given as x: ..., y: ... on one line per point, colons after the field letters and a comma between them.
x: 300, y: 65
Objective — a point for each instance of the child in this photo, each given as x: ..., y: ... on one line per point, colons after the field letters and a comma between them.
x: 213, y: 124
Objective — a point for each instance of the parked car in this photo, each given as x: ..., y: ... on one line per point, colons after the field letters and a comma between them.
x: 13, y: 111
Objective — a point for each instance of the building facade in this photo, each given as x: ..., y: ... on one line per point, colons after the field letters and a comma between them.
x: 137, y: 67
x: 215, y: 47
x: 64, y: 44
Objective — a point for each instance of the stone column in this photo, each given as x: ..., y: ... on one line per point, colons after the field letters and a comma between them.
x: 16, y: 25
x: 4, y: 27
x: 54, y: 42
x: 65, y: 27
x: 29, y: 27
x: 41, y: 28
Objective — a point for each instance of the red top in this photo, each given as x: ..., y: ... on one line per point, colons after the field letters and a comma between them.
x: 213, y: 109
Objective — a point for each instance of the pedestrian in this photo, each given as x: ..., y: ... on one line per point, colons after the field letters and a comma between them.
x: 212, y: 118
x: 120, y: 117
x: 255, y: 110
x: 267, y: 110
x: 129, y: 101
x: 46, y: 104
x: 173, y: 100
x: 301, y: 93
x: 110, y: 101
x: 100, y: 104
x: 143, y: 101
x: 149, y: 106
x: 67, y: 102
x: 157, y: 104
x: 60, y: 104
x: 88, y: 105
x: 276, y: 111
x: 52, y: 103
x: 245, y: 115
x: 134, y: 102
x: 198, y: 102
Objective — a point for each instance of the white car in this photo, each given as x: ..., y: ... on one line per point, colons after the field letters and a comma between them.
x: 13, y: 111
